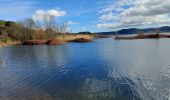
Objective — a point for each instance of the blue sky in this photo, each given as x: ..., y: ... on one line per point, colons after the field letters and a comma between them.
x: 82, y: 14
x: 92, y: 15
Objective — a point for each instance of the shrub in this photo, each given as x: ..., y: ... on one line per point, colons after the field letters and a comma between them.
x: 2, y: 23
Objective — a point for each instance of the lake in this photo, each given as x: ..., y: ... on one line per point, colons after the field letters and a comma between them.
x: 106, y: 69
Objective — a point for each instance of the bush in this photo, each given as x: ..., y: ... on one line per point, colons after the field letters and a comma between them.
x: 9, y: 23
x: 2, y: 23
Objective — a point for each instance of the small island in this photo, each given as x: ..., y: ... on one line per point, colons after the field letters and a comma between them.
x: 142, y: 36
x: 30, y: 32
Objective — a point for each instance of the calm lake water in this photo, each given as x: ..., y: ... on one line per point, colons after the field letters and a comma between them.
x: 102, y: 70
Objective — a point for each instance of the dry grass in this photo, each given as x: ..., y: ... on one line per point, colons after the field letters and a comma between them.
x: 72, y: 37
x: 66, y: 37
x: 2, y: 44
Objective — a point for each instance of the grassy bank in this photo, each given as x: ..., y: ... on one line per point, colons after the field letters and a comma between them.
x: 73, y: 36
x: 64, y: 37
x: 2, y: 44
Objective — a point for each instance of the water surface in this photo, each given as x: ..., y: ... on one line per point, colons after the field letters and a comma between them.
x: 102, y: 70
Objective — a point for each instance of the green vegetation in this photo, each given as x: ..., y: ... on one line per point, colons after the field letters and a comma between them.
x: 6, y: 23
x: 2, y: 23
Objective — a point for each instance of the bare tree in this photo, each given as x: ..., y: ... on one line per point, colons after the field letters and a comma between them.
x: 29, y: 27
x: 29, y: 24
x: 49, y: 23
x: 63, y: 27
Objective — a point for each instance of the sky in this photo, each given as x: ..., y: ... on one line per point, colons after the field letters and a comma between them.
x: 91, y: 15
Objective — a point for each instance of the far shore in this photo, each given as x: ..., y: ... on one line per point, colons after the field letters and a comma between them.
x: 143, y: 36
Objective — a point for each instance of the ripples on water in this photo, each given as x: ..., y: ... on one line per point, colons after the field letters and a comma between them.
x: 102, y: 70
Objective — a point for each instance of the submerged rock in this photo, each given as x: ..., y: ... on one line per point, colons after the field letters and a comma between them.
x: 34, y: 42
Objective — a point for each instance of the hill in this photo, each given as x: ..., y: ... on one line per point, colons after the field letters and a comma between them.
x: 136, y: 31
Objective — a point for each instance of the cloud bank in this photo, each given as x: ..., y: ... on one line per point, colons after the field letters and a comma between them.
x: 135, y: 13
x: 40, y: 14
x: 16, y: 9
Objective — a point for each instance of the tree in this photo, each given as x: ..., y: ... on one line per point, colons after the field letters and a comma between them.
x: 49, y: 23
x: 29, y: 27
x: 39, y: 34
x: 63, y: 27
x: 51, y: 27
x: 9, y: 23
x: 16, y: 32
x: 22, y: 30
x: 2, y: 23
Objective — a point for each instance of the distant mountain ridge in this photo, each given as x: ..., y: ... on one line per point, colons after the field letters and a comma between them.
x: 136, y: 31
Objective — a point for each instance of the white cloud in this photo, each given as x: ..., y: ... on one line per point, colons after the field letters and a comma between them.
x: 135, y: 13
x: 72, y: 23
x: 56, y: 13
x: 107, y: 25
x: 40, y: 14
x: 100, y: 2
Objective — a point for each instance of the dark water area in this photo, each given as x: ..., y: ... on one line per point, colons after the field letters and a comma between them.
x: 102, y: 70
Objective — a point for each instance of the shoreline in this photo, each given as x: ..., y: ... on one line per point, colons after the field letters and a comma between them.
x: 64, y: 38
x: 9, y: 44
x: 141, y: 36
x: 57, y: 40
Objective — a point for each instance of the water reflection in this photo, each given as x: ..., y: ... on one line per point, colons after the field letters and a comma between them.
x: 102, y: 70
